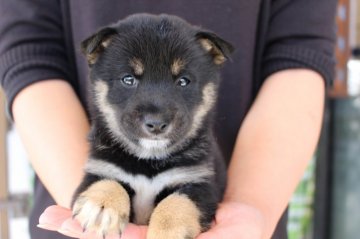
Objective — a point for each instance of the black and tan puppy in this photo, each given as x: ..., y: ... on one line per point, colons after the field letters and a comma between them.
x: 153, y: 158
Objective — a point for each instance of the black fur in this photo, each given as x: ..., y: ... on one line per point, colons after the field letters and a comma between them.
x: 157, y: 41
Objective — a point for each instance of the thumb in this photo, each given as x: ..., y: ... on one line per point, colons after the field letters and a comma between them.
x: 53, y: 217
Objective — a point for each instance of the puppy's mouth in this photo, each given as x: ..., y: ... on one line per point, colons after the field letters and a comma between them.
x: 152, y: 148
x: 151, y: 144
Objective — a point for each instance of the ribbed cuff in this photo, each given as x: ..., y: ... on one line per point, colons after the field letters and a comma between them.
x: 22, y: 66
x: 279, y: 58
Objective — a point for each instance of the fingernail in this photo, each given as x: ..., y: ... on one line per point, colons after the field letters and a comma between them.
x: 46, y: 226
x: 68, y: 233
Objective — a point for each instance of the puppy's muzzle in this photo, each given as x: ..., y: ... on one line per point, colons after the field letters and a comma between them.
x: 156, y: 124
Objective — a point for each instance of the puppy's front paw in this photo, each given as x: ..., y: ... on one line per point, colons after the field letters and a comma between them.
x: 175, y: 217
x: 104, y: 208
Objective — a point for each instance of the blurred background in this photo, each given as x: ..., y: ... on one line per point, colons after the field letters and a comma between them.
x: 326, y: 204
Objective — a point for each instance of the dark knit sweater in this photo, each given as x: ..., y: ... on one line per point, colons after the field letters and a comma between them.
x: 40, y: 39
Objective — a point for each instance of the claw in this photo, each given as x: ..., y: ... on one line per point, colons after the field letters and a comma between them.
x: 99, y: 216
x: 74, y: 215
x: 85, y: 227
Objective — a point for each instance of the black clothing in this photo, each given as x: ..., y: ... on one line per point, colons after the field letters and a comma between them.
x: 40, y: 40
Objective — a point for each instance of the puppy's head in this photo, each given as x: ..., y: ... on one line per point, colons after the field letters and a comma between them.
x: 155, y: 80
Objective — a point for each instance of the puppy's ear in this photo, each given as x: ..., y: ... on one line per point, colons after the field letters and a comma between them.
x: 95, y: 44
x: 219, y: 49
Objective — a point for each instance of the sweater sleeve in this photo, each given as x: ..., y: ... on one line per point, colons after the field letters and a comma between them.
x: 301, y: 34
x: 31, y: 45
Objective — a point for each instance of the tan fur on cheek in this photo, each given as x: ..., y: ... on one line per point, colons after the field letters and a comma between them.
x: 101, y: 90
x: 208, y: 100
x: 104, y: 208
x: 175, y: 217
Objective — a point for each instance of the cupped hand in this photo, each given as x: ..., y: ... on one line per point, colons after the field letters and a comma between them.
x: 56, y: 218
x: 236, y: 221
x: 233, y: 221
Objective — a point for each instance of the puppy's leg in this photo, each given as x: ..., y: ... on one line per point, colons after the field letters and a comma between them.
x: 103, y: 207
x: 184, y: 213
x: 175, y: 217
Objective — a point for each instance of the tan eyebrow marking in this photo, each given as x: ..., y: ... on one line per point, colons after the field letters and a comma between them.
x: 137, y: 66
x: 177, y: 66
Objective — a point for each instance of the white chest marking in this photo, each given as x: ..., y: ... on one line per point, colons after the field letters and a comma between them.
x: 146, y: 189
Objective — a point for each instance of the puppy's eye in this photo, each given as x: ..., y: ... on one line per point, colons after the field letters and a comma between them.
x: 129, y: 80
x: 183, y: 81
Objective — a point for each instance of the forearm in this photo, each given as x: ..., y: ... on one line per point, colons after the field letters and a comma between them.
x: 53, y: 127
x: 276, y: 142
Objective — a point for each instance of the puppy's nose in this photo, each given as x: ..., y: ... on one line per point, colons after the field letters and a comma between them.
x: 155, y: 124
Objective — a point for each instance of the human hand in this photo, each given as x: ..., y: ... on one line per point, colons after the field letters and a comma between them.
x: 236, y: 221
x: 233, y: 221
x: 56, y: 218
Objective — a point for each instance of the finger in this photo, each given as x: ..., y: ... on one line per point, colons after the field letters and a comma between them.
x: 68, y: 233
x: 53, y: 217
x: 207, y: 235
x: 90, y: 235
x: 71, y: 227
x: 94, y: 235
x: 133, y: 231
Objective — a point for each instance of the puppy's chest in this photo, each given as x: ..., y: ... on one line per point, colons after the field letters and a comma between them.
x: 145, y: 188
